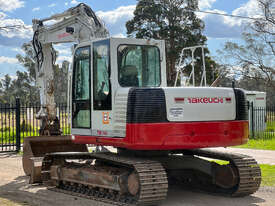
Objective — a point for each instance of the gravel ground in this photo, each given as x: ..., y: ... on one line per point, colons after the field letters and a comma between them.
x: 14, y: 186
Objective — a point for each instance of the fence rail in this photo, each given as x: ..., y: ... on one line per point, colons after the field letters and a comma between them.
x: 18, y: 121
x: 262, y: 122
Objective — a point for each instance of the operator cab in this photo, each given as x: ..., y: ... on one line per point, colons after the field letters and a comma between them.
x: 103, y: 72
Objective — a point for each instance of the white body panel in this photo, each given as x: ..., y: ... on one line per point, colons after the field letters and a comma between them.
x: 200, y: 104
x: 120, y: 112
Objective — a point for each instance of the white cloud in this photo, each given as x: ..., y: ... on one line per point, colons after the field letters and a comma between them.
x: 115, y: 19
x: 230, y: 27
x: 64, y: 51
x: 13, y: 77
x: 2, y: 15
x: 10, y: 5
x: 119, y: 35
x: 36, y: 9
x: 74, y: 2
x: 25, y: 31
x: 123, y: 12
x: 250, y: 9
x: 66, y: 3
x: 14, y: 37
x: 52, y: 5
x: 18, y: 50
x: 220, y: 26
x: 9, y: 60
x: 60, y: 59
x: 206, y: 4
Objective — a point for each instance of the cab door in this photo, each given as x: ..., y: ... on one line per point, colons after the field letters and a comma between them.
x: 102, y: 94
x: 81, y: 92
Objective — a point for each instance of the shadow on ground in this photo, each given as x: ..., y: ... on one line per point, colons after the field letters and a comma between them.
x: 20, y: 191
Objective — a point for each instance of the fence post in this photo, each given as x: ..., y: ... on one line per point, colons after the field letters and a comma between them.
x: 18, y: 139
x: 252, y: 120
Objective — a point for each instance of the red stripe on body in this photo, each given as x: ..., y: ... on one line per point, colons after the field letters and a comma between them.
x: 172, y: 135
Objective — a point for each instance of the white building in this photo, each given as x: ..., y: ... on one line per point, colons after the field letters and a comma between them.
x: 258, y: 115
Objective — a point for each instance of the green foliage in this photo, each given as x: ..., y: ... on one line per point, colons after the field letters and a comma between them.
x: 259, y: 144
x: 9, y: 136
x: 27, y: 60
x: 61, y: 82
x: 271, y: 127
x: 173, y: 21
x: 66, y: 130
x: 5, y: 129
x: 268, y: 175
x: 25, y: 127
x: 253, y: 60
x: 21, y: 87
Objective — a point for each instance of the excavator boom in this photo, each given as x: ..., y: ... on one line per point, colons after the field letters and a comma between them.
x: 77, y: 24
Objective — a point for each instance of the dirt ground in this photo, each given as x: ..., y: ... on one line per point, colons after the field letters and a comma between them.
x: 14, y: 186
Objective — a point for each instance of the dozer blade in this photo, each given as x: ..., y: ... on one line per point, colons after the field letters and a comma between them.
x: 36, y: 147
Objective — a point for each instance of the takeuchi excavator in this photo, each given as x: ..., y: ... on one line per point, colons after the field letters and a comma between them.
x: 119, y: 97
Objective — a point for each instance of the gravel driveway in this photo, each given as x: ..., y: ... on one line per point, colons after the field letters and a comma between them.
x: 14, y: 186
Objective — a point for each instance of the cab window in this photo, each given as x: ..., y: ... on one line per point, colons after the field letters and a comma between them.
x: 138, y: 66
x: 81, y: 98
x: 101, y: 75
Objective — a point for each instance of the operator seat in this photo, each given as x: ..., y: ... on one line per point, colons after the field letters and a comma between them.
x: 128, y: 76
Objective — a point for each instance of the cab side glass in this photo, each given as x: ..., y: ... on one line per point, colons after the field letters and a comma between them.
x: 81, y: 95
x: 138, y: 66
x: 101, y: 75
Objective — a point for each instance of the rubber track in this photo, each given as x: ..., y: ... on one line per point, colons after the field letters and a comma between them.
x: 152, y: 177
x: 247, y: 167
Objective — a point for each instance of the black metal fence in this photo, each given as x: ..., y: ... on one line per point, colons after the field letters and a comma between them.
x: 262, y: 122
x: 18, y: 121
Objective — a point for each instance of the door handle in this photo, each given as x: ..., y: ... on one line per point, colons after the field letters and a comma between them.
x: 74, y: 107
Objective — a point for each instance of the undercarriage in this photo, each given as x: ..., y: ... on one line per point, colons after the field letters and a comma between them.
x: 124, y: 179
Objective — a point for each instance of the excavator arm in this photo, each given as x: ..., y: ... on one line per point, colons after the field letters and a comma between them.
x: 77, y: 24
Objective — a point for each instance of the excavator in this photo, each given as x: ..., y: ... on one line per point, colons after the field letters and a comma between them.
x: 119, y: 97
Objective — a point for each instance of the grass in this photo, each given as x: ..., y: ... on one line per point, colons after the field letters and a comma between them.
x: 7, y: 202
x: 9, y: 136
x: 270, y: 126
x: 264, y: 144
x: 268, y: 173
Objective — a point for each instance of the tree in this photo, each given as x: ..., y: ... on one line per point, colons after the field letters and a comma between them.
x: 27, y: 60
x: 253, y: 61
x: 23, y: 87
x: 266, y: 25
x: 171, y: 20
x: 61, y: 82
x: 25, y: 81
x: 60, y: 75
x: 6, y: 89
x: 253, y: 58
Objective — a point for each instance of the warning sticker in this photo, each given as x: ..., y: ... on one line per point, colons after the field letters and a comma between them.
x: 105, y: 118
x: 176, y: 112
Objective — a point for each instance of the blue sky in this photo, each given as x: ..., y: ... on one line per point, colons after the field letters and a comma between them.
x: 114, y: 13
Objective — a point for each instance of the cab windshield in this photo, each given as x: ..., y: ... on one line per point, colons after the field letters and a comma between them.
x: 138, y: 66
